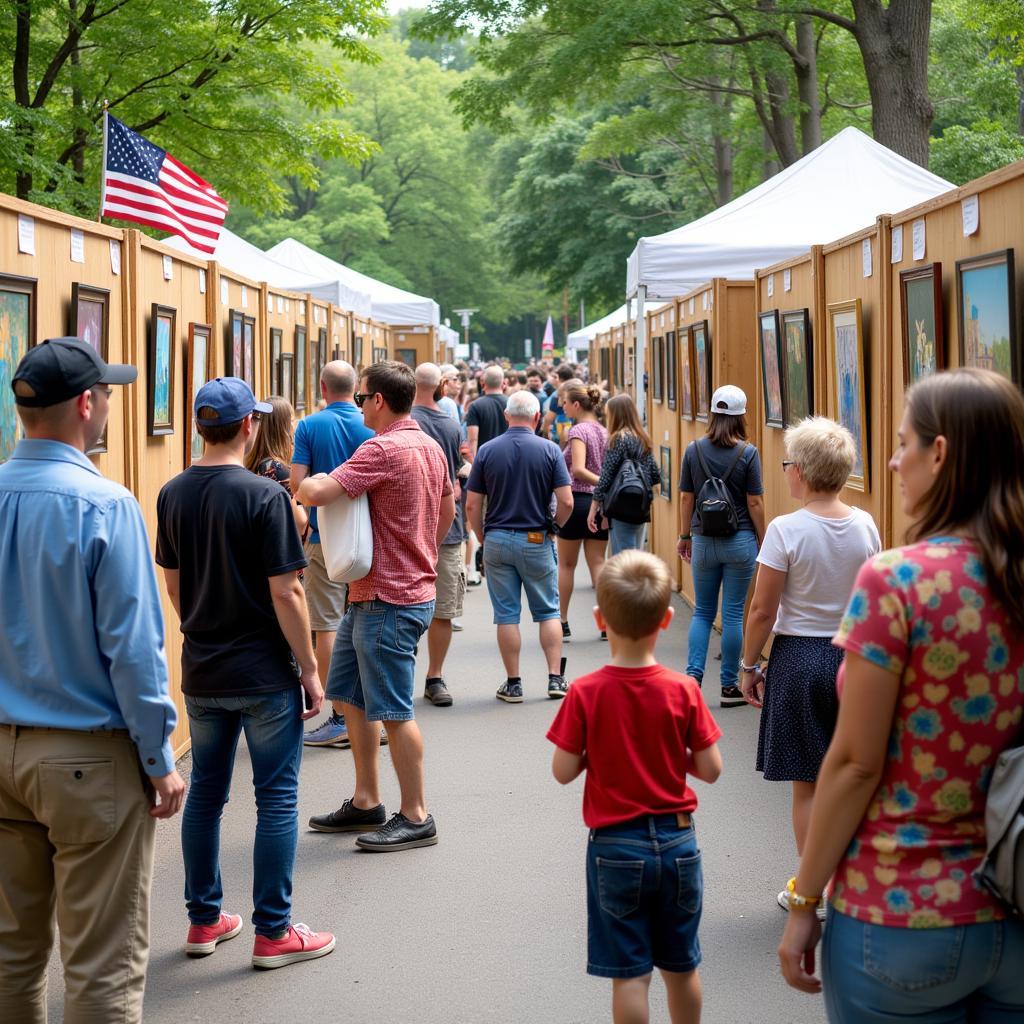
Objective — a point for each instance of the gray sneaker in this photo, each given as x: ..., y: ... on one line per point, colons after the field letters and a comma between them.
x: 557, y: 687
x: 510, y: 691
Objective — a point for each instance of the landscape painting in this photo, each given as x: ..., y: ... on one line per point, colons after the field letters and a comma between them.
x: 702, y: 368
x: 161, y: 370
x: 771, y: 372
x: 847, y: 352
x: 198, y: 362
x: 233, y: 353
x: 923, y: 341
x: 988, y: 316
x: 17, y: 335
x: 686, y: 376
x: 797, y: 366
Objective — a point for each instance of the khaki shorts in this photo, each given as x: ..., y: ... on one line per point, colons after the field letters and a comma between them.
x: 325, y: 598
x: 451, y: 581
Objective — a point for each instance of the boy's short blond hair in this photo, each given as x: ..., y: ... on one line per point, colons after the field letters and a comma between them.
x: 633, y: 593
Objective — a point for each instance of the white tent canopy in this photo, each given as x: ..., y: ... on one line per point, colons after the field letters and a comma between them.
x: 387, y: 303
x: 585, y: 335
x: 837, y: 189
x: 242, y: 257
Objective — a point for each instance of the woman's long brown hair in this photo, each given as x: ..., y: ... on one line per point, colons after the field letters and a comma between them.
x: 979, y: 488
x: 274, y: 436
x: 624, y: 419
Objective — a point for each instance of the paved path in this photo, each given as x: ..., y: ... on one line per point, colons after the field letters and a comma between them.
x: 490, y: 924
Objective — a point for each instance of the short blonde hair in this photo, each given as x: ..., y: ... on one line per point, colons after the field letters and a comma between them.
x: 824, y: 450
x: 633, y: 593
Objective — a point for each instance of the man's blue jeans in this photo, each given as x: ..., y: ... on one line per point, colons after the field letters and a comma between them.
x: 874, y: 974
x: 273, y: 734
x: 726, y: 565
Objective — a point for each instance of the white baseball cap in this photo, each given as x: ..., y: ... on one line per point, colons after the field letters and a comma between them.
x: 729, y: 400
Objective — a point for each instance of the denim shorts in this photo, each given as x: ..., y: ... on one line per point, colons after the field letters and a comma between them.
x: 644, y: 897
x: 373, y: 664
x: 513, y: 564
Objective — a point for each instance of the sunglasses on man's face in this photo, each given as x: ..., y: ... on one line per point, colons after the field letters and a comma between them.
x: 359, y: 398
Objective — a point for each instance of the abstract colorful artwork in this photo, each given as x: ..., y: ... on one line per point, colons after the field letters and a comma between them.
x: 161, y: 369
x: 797, y: 366
x: 702, y: 368
x: 846, y: 342
x: 233, y: 347
x: 771, y: 368
x: 249, y: 350
x: 17, y: 335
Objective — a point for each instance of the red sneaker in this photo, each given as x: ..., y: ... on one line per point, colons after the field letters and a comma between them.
x: 301, y: 943
x: 203, y: 938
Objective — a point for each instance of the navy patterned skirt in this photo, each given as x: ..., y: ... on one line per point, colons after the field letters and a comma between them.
x: 800, y: 707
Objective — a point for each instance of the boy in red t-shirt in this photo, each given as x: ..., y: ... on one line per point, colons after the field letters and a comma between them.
x: 637, y: 729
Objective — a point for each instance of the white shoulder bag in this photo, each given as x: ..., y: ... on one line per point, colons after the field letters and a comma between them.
x: 347, y: 537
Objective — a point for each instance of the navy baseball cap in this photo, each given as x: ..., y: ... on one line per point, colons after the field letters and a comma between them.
x: 231, y: 398
x: 61, y: 368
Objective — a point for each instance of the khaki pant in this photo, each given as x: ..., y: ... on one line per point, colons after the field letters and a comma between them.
x: 76, y: 838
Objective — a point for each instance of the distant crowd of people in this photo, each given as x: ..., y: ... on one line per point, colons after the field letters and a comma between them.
x: 895, y: 679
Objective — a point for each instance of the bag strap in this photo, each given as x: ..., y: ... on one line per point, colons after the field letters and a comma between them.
x: 732, y: 465
x: 700, y: 459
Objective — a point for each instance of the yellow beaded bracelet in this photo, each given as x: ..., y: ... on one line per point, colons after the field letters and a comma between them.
x: 797, y: 902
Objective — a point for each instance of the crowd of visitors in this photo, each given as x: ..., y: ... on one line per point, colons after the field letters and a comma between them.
x: 892, y: 686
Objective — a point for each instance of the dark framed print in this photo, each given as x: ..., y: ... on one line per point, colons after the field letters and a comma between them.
x: 924, y: 343
x: 846, y: 352
x: 160, y: 364
x: 322, y: 337
x: 620, y: 365
x: 686, y: 373
x: 301, y: 372
x: 670, y: 368
x: 666, y: 472
x: 90, y: 317
x: 988, y: 314
x: 196, y: 375
x: 658, y: 369
x: 310, y: 378
x: 357, y: 353
x: 771, y: 367
x: 249, y: 351
x: 276, y: 335
x: 407, y: 356
x: 233, y: 344
x: 605, y: 367
x: 17, y: 336
x: 701, y: 369
x: 379, y: 353
x: 287, y: 381
x: 797, y: 366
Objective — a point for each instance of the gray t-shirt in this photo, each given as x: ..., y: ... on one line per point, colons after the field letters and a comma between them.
x: 745, y: 478
x: 445, y: 431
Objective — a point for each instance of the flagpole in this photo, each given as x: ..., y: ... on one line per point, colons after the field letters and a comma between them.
x: 103, y: 169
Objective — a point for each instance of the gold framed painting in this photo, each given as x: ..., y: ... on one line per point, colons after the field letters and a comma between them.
x: 849, y: 366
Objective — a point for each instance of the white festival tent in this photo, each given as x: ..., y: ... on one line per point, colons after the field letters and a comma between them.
x: 839, y: 188
x: 585, y: 335
x: 236, y: 254
x: 387, y: 303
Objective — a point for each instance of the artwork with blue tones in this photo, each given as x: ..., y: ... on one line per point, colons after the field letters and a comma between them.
x: 848, y: 363
x: 988, y: 315
x: 161, y: 370
x: 17, y: 326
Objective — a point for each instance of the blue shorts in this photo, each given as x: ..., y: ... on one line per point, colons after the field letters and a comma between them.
x: 644, y: 896
x: 513, y: 564
x: 373, y: 664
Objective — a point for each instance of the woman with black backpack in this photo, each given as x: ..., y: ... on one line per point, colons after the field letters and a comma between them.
x: 722, y: 523
x: 627, y: 442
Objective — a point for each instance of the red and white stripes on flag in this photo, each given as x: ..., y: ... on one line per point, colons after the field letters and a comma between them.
x: 144, y: 184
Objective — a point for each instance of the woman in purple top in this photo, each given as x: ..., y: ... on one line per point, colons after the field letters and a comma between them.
x: 584, y: 455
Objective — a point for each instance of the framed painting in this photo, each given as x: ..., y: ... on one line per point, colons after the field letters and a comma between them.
x: 196, y: 375
x: 276, y: 335
x: 771, y: 367
x: 90, y: 317
x: 17, y: 336
x: 658, y: 369
x: 160, y: 364
x: 924, y: 343
x: 797, y: 366
x: 670, y: 369
x: 249, y: 351
x: 233, y: 345
x: 988, y: 314
x: 701, y: 369
x: 407, y: 356
x: 380, y: 354
x: 620, y: 365
x: 666, y: 472
x: 287, y: 380
x: 605, y: 367
x: 846, y: 352
x: 686, y: 374
x: 301, y: 371
x: 357, y: 353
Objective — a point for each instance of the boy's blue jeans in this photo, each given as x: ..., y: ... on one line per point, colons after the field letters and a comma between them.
x: 725, y: 564
x: 273, y: 734
x: 875, y: 974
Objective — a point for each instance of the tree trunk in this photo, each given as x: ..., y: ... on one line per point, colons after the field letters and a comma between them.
x: 770, y: 166
x: 22, y: 43
x: 1020, y: 99
x: 893, y: 43
x: 807, y: 85
x: 722, y: 142
x: 81, y: 137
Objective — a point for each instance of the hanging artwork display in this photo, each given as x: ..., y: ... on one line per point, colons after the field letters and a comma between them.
x: 797, y: 366
x: 197, y: 374
x: 288, y: 378
x: 846, y: 353
x: 249, y: 351
x: 666, y: 472
x: 658, y: 369
x: 620, y: 365
x: 301, y: 378
x: 90, y: 317
x: 686, y: 373
x: 160, y: 363
x: 670, y: 368
x: 923, y: 336
x: 701, y: 369
x: 988, y: 314
x: 771, y: 368
x: 17, y: 336
x: 233, y: 344
x: 275, y: 359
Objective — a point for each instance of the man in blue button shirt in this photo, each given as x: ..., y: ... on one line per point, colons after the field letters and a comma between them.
x: 85, y: 713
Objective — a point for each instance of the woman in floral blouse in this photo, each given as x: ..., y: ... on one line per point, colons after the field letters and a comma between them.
x: 932, y: 691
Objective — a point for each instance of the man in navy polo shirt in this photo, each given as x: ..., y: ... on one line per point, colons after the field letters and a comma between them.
x: 323, y: 442
x: 519, y: 472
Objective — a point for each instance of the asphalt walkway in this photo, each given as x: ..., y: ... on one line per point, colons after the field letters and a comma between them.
x: 490, y: 924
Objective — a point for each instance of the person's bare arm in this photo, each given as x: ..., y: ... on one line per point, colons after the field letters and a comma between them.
x: 706, y: 764
x: 565, y: 766
x: 300, y: 515
x: 764, y: 608
x: 320, y: 489
x: 289, y: 601
x: 445, y: 517
x: 298, y: 474
x: 579, y: 463
x: 684, y: 548
x: 472, y: 435
x: 755, y: 506
x: 563, y: 496
x: 475, y: 513
x: 172, y: 579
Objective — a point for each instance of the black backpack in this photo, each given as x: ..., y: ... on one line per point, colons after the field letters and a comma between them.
x: 715, y: 508
x: 630, y: 495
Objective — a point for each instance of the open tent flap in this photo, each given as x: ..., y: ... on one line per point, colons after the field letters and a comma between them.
x: 839, y: 188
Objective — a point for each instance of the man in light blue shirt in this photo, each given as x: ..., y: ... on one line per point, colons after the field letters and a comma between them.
x: 85, y: 713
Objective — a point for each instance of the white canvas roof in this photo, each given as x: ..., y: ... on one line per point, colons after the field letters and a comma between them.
x: 839, y: 188
x: 583, y: 337
x: 448, y: 335
x: 236, y: 254
x: 387, y: 303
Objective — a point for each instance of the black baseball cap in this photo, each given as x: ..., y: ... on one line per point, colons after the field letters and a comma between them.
x: 61, y: 368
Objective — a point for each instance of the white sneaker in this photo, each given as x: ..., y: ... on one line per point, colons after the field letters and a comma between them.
x: 783, y: 901
x: 457, y: 625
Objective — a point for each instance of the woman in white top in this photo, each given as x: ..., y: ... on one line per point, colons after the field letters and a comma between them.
x: 807, y: 566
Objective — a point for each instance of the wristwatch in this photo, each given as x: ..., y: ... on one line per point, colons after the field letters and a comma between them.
x: 685, y: 536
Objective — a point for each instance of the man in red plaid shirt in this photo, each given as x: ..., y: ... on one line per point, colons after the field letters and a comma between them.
x: 405, y: 476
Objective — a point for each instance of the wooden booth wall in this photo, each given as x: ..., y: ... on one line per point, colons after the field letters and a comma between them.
x: 415, y: 344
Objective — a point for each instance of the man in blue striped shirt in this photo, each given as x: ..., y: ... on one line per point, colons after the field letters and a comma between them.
x: 85, y: 714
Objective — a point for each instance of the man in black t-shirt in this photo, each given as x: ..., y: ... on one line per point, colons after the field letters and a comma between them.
x: 230, y: 553
x: 485, y: 418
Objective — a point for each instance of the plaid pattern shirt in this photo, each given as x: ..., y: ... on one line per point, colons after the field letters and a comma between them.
x: 405, y: 476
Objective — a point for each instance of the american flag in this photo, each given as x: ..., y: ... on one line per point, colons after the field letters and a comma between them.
x: 144, y: 184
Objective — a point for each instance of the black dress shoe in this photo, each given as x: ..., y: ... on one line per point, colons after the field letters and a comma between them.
x: 400, y: 834
x: 349, y: 818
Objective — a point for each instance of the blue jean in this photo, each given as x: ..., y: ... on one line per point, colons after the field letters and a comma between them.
x: 623, y: 536
x: 273, y: 734
x: 726, y: 565
x: 971, y: 974
x: 514, y: 564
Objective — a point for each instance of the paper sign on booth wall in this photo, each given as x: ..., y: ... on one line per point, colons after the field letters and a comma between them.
x: 270, y: 303
x: 691, y: 306
x: 202, y: 282
x: 26, y: 235
x: 224, y: 294
x: 771, y: 285
x: 865, y: 255
x: 918, y: 235
x: 245, y: 297
x: 896, y: 255
x: 970, y: 211
x: 115, y: 256
x: 77, y: 246
x: 787, y: 280
x: 168, y: 268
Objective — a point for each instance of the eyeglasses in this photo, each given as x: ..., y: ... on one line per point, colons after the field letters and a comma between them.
x: 359, y: 398
x: 788, y: 462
